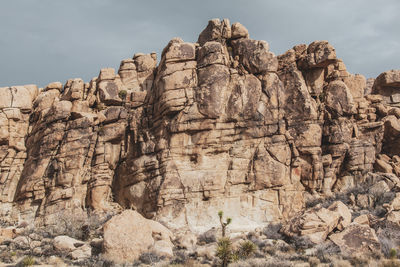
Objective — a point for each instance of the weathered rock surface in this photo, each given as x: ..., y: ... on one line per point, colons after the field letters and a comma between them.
x: 356, y: 240
x: 318, y: 223
x: 128, y: 235
x: 222, y: 124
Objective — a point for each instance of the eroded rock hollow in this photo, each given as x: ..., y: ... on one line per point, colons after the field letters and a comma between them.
x: 221, y: 124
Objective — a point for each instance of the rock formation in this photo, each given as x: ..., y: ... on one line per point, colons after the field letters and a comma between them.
x: 221, y: 124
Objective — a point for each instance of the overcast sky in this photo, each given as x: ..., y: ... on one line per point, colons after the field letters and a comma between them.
x: 52, y: 40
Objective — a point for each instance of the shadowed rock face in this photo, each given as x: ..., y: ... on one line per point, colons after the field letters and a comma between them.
x: 222, y: 124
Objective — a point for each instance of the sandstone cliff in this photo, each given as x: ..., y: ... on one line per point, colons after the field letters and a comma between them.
x: 221, y: 124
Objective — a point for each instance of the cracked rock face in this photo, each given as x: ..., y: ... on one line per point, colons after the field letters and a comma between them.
x: 222, y: 124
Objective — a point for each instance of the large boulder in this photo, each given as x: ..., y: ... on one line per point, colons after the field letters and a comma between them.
x: 387, y: 84
x: 339, y: 100
x: 356, y: 239
x: 129, y: 234
x: 255, y: 55
x: 316, y: 224
x: 216, y: 30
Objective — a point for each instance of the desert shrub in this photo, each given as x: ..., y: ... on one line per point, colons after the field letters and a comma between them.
x: 391, y: 263
x: 297, y: 257
x: 339, y: 196
x: 122, y: 94
x: 313, y: 261
x: 270, y: 250
x: 149, y: 258
x: 272, y: 231
x: 261, y: 263
x: 225, y: 251
x: 284, y: 247
x: 180, y: 257
x: 310, y: 203
x: 389, y: 236
x: 340, y: 263
x: 385, y: 197
x: 68, y: 224
x: 359, y: 261
x: 7, y: 256
x: 92, y: 261
x: 358, y: 189
x: 300, y: 242
x: 277, y: 262
x: 246, y: 249
x: 393, y: 253
x: 387, y: 245
x: 28, y: 261
x: 79, y: 226
x: 325, y: 250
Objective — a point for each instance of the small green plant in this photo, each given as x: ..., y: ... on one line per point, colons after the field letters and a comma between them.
x: 223, y: 224
x: 224, y: 251
x: 393, y: 253
x: 122, y: 94
x: 247, y: 249
x: 28, y: 261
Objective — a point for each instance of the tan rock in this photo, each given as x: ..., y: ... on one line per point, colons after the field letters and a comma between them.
x: 387, y: 85
x: 5, y: 97
x: 177, y: 51
x: 393, y: 217
x: 362, y: 219
x: 356, y: 84
x: 144, y: 62
x: 187, y: 241
x: 7, y: 234
x: 54, y: 85
x: 319, y: 54
x: 107, y: 74
x: 82, y: 252
x: 356, y: 239
x: 108, y: 91
x: 215, y: 30
x: 316, y: 224
x: 163, y: 248
x: 339, y: 99
x: 255, y: 55
x: 343, y: 211
x: 379, y: 188
x: 128, y: 235
x: 239, y: 31
x: 65, y: 243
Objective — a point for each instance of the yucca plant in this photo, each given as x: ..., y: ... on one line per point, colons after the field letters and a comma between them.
x: 247, y: 249
x: 224, y: 251
x: 223, y: 224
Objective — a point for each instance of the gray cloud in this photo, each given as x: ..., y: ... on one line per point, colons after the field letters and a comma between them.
x: 46, y: 40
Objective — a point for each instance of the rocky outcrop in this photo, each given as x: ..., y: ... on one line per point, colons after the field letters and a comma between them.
x: 316, y: 224
x: 221, y: 124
